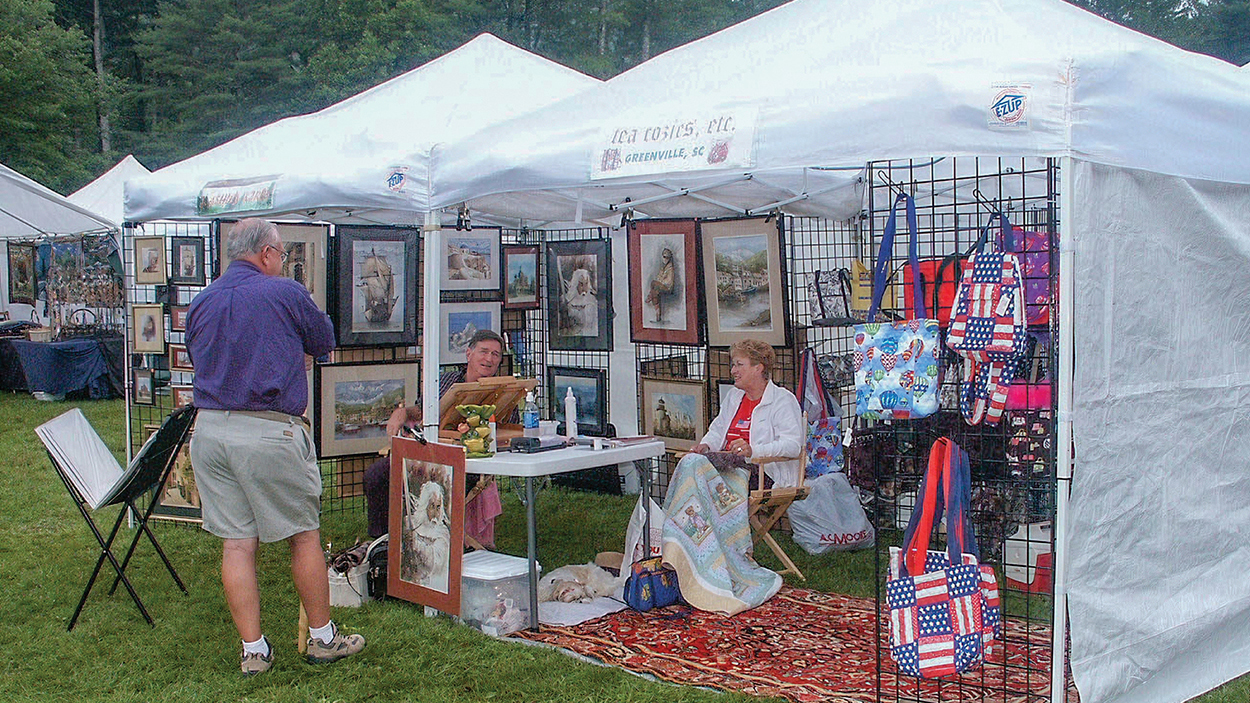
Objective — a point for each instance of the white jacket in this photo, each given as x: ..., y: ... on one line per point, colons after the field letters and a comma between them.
x: 776, y: 430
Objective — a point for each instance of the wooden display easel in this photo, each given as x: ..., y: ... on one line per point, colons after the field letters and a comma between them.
x: 504, y: 392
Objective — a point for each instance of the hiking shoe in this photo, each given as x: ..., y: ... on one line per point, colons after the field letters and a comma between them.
x: 253, y: 664
x: 341, y: 646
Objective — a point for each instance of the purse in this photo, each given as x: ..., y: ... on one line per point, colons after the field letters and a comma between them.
x: 1031, y: 388
x: 1034, y: 248
x: 944, y: 606
x: 651, y: 585
x: 830, y: 299
x: 896, y: 363
x: 824, y: 433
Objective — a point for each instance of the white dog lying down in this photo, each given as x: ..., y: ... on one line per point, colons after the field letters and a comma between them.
x: 577, y: 583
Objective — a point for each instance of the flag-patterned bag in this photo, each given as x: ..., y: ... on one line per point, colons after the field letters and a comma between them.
x: 944, y: 606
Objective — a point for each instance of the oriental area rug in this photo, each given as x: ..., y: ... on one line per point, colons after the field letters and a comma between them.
x: 801, y: 645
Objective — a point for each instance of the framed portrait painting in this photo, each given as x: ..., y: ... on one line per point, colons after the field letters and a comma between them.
x: 590, y: 387
x: 743, y: 281
x: 674, y: 411
x: 460, y: 322
x: 178, y: 498
x: 376, y: 285
x: 22, y: 286
x: 520, y: 285
x: 663, y: 282
x: 186, y: 260
x: 579, y: 295
x: 149, y: 259
x: 472, y: 259
x: 143, y: 392
x: 179, y: 358
x: 354, y: 401
x: 147, y: 329
x: 181, y: 395
x: 426, y: 524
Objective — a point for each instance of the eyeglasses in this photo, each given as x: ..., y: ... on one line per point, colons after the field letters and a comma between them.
x: 282, y: 254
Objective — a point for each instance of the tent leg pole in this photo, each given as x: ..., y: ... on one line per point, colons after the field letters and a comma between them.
x: 1063, y: 458
x: 432, y: 333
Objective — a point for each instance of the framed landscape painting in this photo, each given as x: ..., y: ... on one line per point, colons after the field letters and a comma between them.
x: 187, y: 261
x: 354, y: 401
x: 743, y: 281
x: 674, y: 411
x: 426, y: 524
x: 149, y: 259
x: 22, y: 287
x: 520, y: 286
x: 663, y: 281
x: 590, y: 387
x: 376, y: 283
x: 472, y: 260
x: 460, y: 322
x: 579, y: 295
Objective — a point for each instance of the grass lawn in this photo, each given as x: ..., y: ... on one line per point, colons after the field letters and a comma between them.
x: 192, y: 653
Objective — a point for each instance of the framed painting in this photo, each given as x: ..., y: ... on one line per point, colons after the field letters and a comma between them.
x: 142, y: 390
x: 663, y: 282
x: 376, y: 286
x: 149, y: 259
x: 675, y: 366
x: 179, y: 358
x: 22, y: 286
x: 186, y: 258
x: 743, y: 281
x: 354, y: 401
x: 148, y: 329
x: 177, y: 498
x: 520, y: 270
x: 460, y: 322
x: 181, y: 395
x: 305, y: 248
x: 178, y: 318
x: 579, y: 295
x: 472, y: 260
x: 674, y: 411
x: 426, y: 524
x: 590, y: 387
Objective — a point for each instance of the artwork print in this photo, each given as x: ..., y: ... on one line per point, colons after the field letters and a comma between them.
x: 142, y: 388
x: 663, y: 282
x: 376, y: 286
x: 305, y: 247
x: 589, y: 387
x: 674, y: 411
x: 377, y: 305
x: 181, y: 395
x: 520, y: 269
x: 579, y: 281
x: 426, y: 524
x: 472, y: 260
x: 22, y: 273
x: 743, y: 281
x: 178, y: 498
x: 460, y: 322
x: 147, y: 329
x: 188, y: 260
x: 149, y: 259
x: 356, y: 400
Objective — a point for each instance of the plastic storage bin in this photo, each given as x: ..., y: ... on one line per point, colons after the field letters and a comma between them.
x: 494, y: 592
x: 351, y: 589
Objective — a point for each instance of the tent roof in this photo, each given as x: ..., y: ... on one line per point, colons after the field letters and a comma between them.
x: 104, y: 195
x: 837, y: 83
x: 28, y: 209
x: 340, y: 163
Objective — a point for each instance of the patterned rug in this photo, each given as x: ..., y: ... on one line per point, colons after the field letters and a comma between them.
x: 801, y: 645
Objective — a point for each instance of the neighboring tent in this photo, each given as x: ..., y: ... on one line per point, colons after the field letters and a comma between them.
x: 29, y: 210
x: 1154, y: 220
x: 105, y: 194
x: 367, y: 158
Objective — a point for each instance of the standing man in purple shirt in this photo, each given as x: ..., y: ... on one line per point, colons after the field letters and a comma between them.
x: 255, y: 464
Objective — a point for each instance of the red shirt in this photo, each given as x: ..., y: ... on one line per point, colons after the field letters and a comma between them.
x: 740, y: 427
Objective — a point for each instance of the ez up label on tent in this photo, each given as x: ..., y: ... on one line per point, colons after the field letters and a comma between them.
x: 1009, y: 106
x: 712, y: 139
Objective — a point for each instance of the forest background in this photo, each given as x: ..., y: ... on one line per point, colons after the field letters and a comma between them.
x: 85, y: 82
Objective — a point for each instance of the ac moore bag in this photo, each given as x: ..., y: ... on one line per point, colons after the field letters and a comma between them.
x: 824, y: 433
x: 896, y: 363
x: 651, y: 585
x: 831, y: 517
x: 944, y: 606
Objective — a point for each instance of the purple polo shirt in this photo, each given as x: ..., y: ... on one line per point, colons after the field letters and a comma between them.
x: 247, y: 334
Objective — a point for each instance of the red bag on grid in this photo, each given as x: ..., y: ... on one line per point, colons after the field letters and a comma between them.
x: 942, y: 277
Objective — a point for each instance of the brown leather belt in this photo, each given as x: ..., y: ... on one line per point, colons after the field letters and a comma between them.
x: 273, y: 415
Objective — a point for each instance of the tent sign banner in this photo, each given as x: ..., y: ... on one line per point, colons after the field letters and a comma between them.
x: 238, y: 195
x: 699, y: 140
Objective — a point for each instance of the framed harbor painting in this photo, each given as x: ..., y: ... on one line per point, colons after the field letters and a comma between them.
x: 743, y: 281
x: 354, y: 401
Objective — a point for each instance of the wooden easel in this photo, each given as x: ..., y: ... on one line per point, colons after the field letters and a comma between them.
x: 504, y: 392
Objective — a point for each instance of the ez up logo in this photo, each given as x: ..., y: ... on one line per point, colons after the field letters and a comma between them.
x: 1009, y: 108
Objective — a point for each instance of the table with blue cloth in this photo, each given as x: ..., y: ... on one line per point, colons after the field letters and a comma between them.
x: 77, y: 366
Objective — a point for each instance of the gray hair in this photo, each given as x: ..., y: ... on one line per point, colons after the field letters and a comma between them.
x: 251, y: 236
x: 484, y: 335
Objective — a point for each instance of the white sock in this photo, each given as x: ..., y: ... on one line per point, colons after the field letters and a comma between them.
x: 325, y: 633
x: 260, y: 646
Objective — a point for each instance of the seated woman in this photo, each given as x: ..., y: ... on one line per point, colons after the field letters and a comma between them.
x: 706, y: 536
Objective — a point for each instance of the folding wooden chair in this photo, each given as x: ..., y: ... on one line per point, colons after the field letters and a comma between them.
x: 766, y: 506
x: 94, y: 480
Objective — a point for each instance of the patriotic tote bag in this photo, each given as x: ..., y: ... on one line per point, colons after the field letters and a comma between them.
x: 944, y: 606
x: 896, y: 363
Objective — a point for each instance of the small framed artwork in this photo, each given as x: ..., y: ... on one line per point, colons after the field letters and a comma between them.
x: 426, y: 524
x: 305, y: 248
x: 674, y: 366
x: 22, y: 286
x: 149, y: 260
x: 520, y: 270
x: 179, y: 359
x: 663, y: 282
x: 579, y: 295
x: 460, y: 322
x: 472, y: 260
x: 178, y: 498
x: 181, y: 395
x: 674, y: 411
x: 376, y: 286
x: 742, y: 281
x: 148, y: 327
x: 142, y: 390
x: 178, y: 318
x: 186, y: 261
x: 354, y: 401
x: 589, y: 387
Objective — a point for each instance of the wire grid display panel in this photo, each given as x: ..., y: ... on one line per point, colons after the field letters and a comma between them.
x: 1013, y: 462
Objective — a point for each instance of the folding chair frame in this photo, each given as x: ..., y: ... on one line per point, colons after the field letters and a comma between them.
x: 766, y: 506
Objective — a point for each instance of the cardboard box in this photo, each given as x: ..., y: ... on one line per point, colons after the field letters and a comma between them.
x: 494, y: 592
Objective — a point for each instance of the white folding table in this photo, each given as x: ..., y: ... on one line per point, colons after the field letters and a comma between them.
x: 548, y: 463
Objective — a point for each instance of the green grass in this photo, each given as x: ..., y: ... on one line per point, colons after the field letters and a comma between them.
x: 192, y: 653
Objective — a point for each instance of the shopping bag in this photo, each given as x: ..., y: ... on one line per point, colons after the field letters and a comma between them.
x: 831, y: 517
x: 824, y: 432
x: 830, y: 298
x: 634, y: 550
x: 944, y: 606
x: 896, y: 363
x: 651, y: 585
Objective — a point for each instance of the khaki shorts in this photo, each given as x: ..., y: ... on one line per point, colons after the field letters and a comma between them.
x: 257, y: 477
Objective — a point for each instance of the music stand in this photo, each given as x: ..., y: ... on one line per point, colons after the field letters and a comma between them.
x: 94, y: 479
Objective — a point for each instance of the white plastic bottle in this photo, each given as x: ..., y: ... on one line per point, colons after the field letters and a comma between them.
x: 570, y: 414
x: 529, y: 416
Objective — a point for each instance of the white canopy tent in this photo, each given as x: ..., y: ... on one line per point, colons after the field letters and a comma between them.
x: 1155, y: 227
x: 105, y: 194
